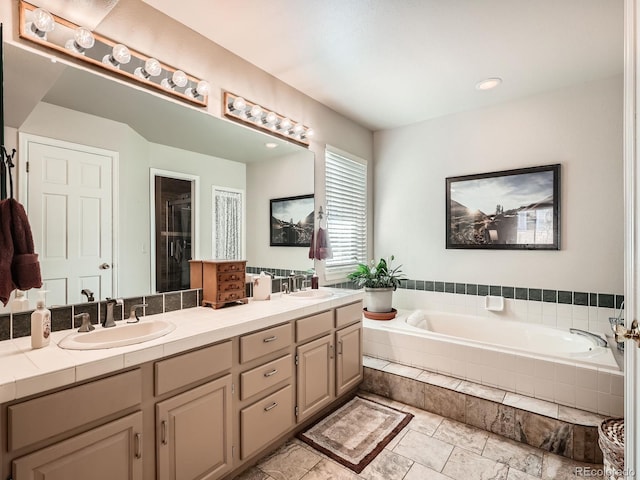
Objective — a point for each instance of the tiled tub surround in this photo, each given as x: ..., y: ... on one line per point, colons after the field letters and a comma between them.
x: 18, y: 325
x: 570, y: 383
x: 562, y: 430
x: 24, y: 371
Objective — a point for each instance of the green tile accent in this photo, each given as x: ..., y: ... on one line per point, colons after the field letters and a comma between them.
x: 472, y: 289
x: 495, y: 290
x: 483, y: 290
x: 565, y: 297
x: 535, y: 294
x: 449, y: 287
x: 580, y: 298
x: 461, y: 288
x: 508, y: 292
x: 606, y: 300
x: 429, y: 286
x: 439, y: 286
x: 522, y: 293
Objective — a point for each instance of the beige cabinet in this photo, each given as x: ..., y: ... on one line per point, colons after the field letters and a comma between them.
x: 111, y: 451
x: 194, y: 433
x: 348, y: 358
x: 315, y: 375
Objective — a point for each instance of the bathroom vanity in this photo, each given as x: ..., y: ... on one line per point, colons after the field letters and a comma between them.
x: 206, y: 400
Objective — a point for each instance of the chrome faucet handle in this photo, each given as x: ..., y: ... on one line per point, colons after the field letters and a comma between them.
x: 86, y: 322
x: 133, y: 313
x: 284, y: 287
x: 308, y: 284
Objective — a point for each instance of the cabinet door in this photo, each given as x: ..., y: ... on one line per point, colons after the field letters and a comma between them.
x: 348, y: 358
x: 194, y: 433
x: 108, y: 452
x: 315, y: 376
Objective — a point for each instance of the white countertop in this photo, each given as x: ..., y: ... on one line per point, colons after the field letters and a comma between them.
x: 25, y: 371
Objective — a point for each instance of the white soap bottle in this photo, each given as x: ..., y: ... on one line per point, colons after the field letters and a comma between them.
x: 20, y: 302
x: 40, y: 326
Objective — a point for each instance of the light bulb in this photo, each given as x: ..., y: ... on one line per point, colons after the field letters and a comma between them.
x: 256, y: 112
x: 202, y: 90
x: 239, y: 105
x: 285, y: 124
x: 298, y: 129
x: 152, y: 68
x: 42, y: 23
x: 308, y: 133
x: 271, y: 118
x: 178, y: 79
x: 120, y: 55
x: 81, y: 41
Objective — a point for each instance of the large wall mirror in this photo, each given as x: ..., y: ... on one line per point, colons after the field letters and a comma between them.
x: 104, y: 134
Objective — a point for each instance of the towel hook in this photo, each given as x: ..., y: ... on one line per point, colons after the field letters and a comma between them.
x: 320, y: 213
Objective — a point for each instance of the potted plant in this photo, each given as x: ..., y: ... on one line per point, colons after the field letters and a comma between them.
x: 379, y: 281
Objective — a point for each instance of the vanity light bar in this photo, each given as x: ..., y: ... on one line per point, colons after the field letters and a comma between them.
x: 251, y: 114
x: 39, y: 26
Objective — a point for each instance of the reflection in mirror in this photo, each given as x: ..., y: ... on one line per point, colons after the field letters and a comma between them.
x: 141, y: 130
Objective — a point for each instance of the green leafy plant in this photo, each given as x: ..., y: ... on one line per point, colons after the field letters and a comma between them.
x: 377, y: 275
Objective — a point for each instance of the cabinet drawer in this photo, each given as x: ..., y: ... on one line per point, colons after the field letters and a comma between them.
x: 59, y: 412
x: 230, y: 295
x: 312, y: 326
x: 266, y: 420
x: 348, y: 314
x: 260, y: 378
x: 267, y: 341
x: 231, y: 277
x: 190, y: 367
x: 231, y: 267
x: 231, y: 286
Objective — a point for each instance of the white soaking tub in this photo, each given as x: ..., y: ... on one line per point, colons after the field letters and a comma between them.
x: 534, y: 360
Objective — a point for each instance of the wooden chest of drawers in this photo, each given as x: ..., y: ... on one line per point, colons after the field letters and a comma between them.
x: 222, y: 281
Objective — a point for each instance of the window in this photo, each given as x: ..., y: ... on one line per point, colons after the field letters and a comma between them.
x: 346, y: 199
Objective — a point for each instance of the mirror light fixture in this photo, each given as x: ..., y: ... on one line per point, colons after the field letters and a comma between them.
x: 256, y: 116
x: 51, y: 31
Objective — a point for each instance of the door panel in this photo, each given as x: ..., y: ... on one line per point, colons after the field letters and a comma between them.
x: 315, y: 376
x: 349, y: 358
x: 69, y: 205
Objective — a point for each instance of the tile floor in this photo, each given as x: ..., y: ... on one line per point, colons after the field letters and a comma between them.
x: 430, y: 447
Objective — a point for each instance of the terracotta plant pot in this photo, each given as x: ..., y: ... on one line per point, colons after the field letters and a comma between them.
x: 378, y: 299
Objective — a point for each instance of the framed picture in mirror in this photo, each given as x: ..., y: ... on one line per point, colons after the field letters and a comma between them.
x: 292, y: 220
x: 509, y: 209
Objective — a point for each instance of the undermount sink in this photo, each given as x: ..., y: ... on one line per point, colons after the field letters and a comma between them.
x: 309, y: 294
x: 118, y: 336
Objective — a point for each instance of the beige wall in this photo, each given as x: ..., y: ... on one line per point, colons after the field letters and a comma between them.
x: 579, y: 127
x: 288, y: 176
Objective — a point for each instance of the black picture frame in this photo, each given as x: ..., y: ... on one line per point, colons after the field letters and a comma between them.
x: 506, y: 210
x: 291, y: 221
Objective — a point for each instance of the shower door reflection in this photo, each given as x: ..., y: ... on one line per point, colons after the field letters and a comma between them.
x: 173, y: 233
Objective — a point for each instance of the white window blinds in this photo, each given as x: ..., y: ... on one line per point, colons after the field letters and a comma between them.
x: 346, y: 199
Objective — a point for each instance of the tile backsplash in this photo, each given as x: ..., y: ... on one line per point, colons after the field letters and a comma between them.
x: 19, y: 324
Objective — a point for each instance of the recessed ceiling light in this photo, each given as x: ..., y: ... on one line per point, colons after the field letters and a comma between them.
x: 488, y: 83
x: 271, y: 145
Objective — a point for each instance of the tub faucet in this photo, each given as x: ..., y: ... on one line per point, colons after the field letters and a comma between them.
x: 108, y: 318
x: 615, y: 322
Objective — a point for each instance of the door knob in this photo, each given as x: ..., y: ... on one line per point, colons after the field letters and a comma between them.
x: 104, y: 266
x: 632, y: 333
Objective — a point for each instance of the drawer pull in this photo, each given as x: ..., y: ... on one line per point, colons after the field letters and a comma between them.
x: 163, y: 432
x: 340, y: 347
x: 331, y: 351
x: 271, y: 407
x: 270, y: 339
x: 271, y: 373
x: 138, y: 445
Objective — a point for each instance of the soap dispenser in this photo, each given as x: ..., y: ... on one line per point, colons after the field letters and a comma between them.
x: 40, y: 325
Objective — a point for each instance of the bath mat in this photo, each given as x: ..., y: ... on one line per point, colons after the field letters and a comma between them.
x: 356, y: 433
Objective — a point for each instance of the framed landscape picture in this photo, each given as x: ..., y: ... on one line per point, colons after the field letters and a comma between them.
x: 510, y: 209
x: 292, y: 221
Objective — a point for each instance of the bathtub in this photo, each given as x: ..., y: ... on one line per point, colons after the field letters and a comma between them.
x: 533, y: 360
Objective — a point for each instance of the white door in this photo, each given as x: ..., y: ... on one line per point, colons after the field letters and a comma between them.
x: 69, y: 203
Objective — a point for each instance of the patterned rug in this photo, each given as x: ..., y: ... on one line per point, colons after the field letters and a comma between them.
x: 356, y: 433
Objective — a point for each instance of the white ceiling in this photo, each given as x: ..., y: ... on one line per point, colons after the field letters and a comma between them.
x: 387, y: 63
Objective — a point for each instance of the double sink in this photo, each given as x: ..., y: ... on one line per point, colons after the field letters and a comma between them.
x: 130, y: 334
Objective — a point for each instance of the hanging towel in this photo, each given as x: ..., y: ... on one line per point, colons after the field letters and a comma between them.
x: 323, y: 247
x: 19, y: 267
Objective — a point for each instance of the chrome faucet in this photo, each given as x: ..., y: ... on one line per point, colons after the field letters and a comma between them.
x: 86, y: 322
x: 108, y: 318
x: 615, y: 322
x: 133, y: 313
x: 88, y: 293
x: 295, y: 281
